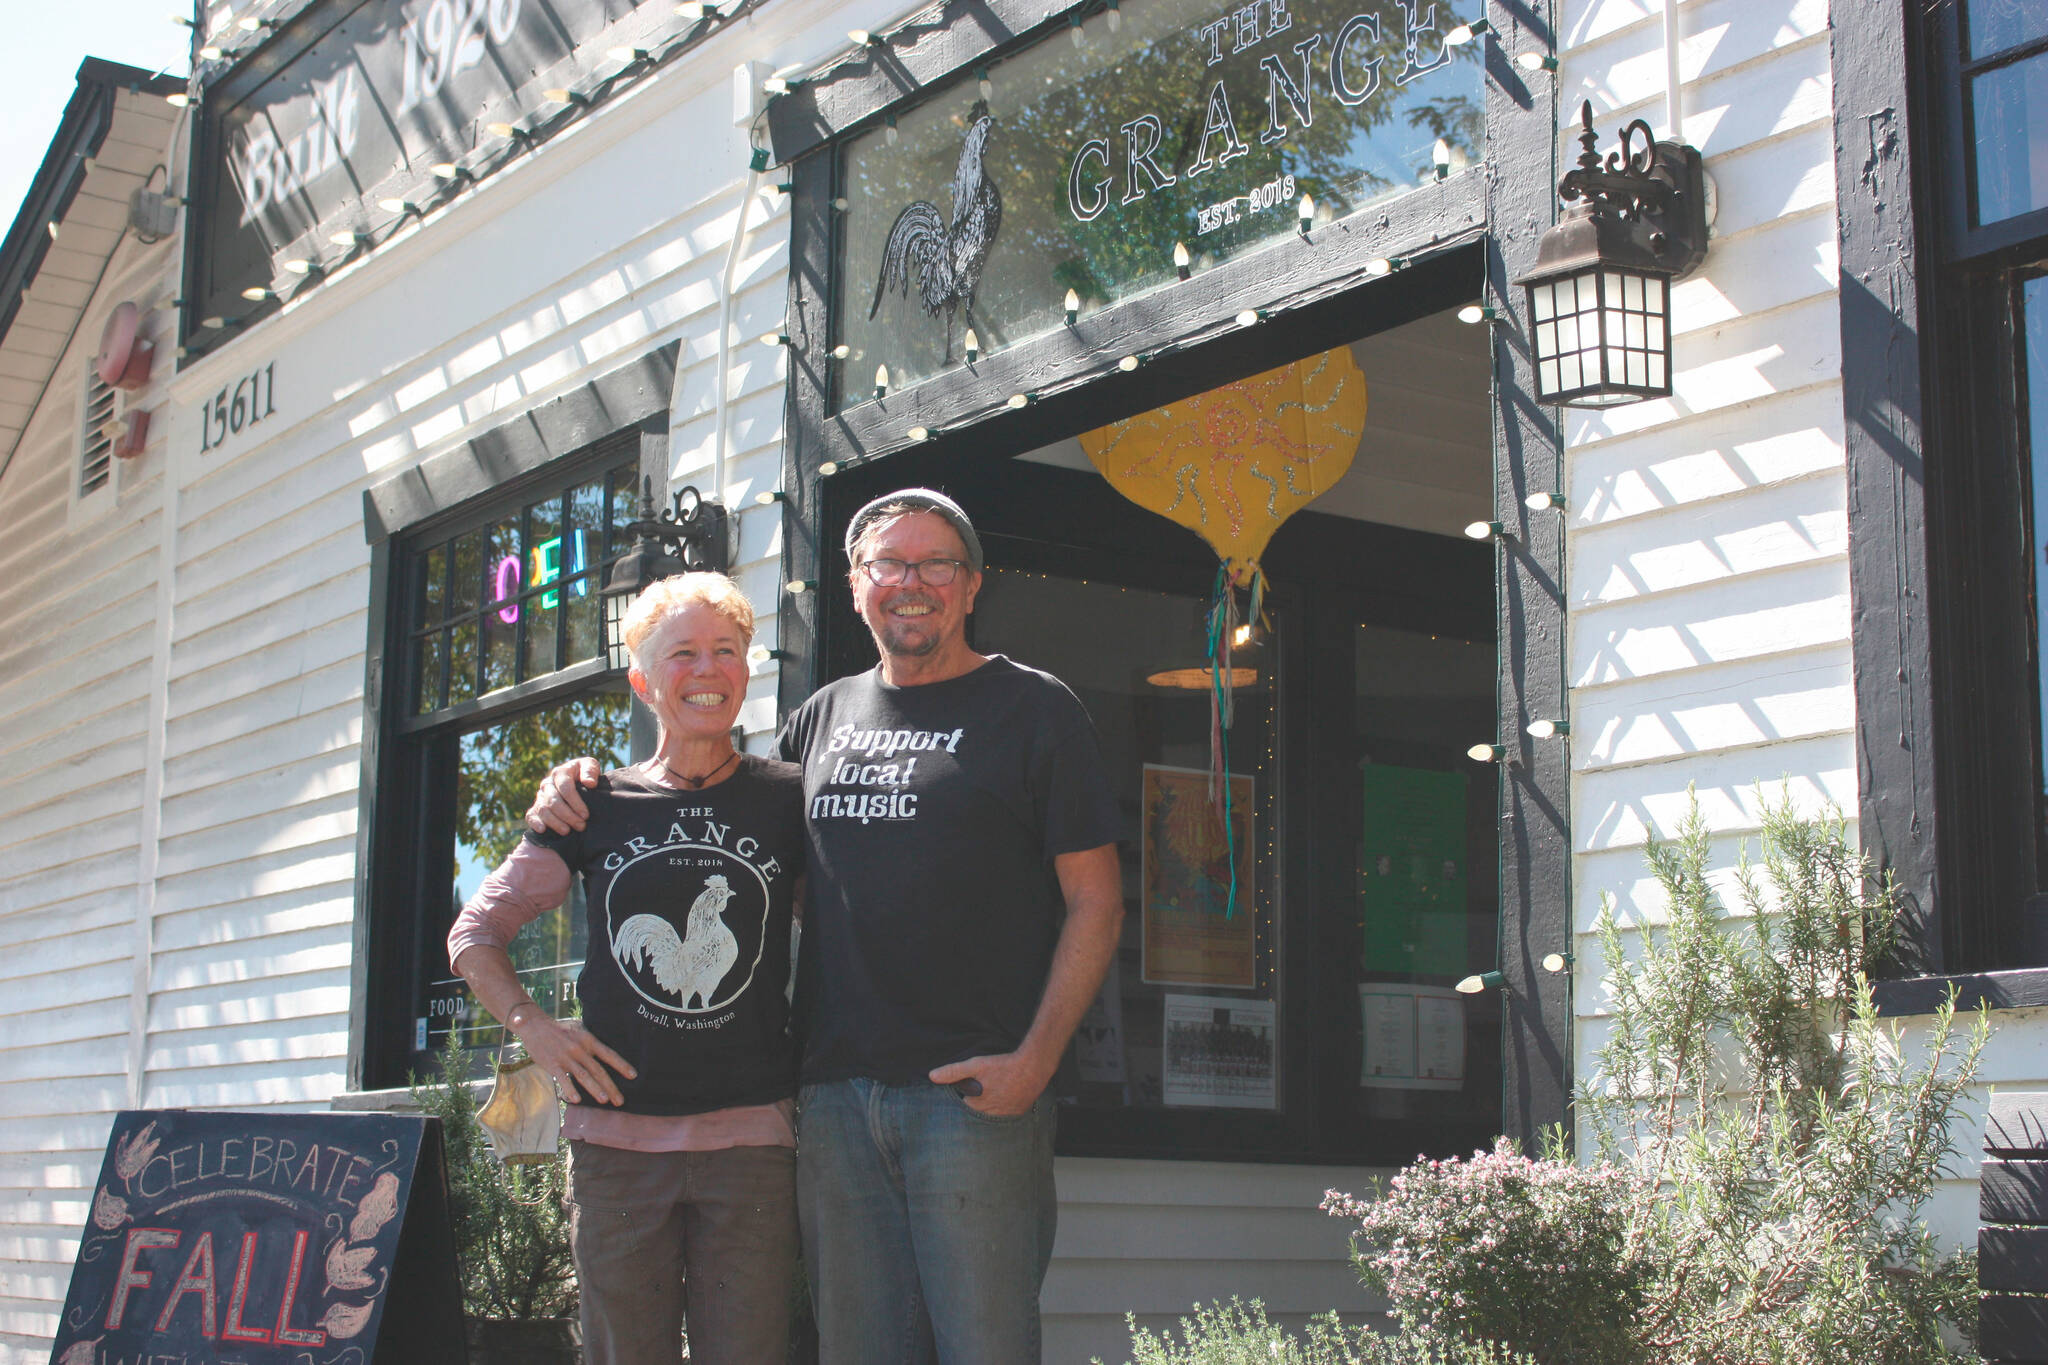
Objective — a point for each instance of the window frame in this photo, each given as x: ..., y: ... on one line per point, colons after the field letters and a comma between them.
x: 1940, y: 807
x: 626, y: 407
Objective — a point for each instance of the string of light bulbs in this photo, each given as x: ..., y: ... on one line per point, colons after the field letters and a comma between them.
x: 449, y: 178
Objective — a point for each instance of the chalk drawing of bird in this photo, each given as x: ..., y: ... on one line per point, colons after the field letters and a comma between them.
x: 690, y: 967
x: 947, y: 257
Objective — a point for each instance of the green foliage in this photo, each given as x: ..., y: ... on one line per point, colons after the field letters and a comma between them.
x: 1238, y: 1333
x: 1762, y: 1146
x: 1781, y: 1140
x: 1531, y: 1254
x: 502, y: 766
x: 511, y: 1229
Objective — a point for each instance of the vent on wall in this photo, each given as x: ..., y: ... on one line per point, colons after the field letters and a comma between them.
x: 95, y: 443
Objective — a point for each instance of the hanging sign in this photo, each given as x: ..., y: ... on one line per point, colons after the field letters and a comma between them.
x: 265, y: 1239
x: 354, y: 101
x: 1170, y: 124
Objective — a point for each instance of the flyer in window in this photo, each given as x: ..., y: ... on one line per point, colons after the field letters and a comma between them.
x: 1195, y: 935
x: 1220, y: 1053
x: 1414, y: 1037
x: 1412, y: 873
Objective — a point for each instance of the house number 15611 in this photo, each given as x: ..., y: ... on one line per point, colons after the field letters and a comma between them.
x: 248, y: 401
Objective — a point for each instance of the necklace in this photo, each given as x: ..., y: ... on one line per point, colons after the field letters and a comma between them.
x: 696, y: 783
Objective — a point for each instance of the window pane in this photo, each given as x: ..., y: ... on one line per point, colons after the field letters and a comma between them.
x: 497, y: 770
x: 586, y: 625
x: 462, y: 662
x: 433, y: 658
x: 1996, y: 25
x: 1428, y: 900
x: 466, y: 587
x: 2009, y: 107
x: 1189, y: 1015
x: 537, y: 655
x: 625, y: 505
x: 433, y: 586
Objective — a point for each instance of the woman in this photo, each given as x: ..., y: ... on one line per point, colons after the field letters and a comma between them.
x: 680, y: 1075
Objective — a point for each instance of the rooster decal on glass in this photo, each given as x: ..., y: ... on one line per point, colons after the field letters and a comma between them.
x: 946, y: 257
x: 689, y: 967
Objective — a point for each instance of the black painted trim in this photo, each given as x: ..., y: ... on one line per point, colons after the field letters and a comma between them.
x: 1536, y: 852
x: 1879, y: 284
x: 2024, y: 988
x: 920, y: 56
x: 370, y: 872
x: 635, y: 393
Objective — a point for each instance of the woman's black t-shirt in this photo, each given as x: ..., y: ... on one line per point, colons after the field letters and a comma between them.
x: 689, y: 895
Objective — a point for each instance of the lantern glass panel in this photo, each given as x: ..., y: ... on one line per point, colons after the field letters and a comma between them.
x: 615, y: 604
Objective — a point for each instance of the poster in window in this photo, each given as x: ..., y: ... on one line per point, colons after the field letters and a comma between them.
x: 1412, y: 871
x: 1194, y: 934
x: 1414, y: 1037
x: 1220, y: 1052
x: 1099, y: 1040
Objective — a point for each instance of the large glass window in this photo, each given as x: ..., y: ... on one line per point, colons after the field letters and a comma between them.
x: 501, y: 647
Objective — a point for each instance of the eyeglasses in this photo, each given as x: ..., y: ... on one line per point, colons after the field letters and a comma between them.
x: 891, y: 573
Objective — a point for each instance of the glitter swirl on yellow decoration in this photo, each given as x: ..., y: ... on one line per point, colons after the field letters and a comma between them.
x: 1234, y: 463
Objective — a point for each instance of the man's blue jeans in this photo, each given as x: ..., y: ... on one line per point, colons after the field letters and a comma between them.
x: 927, y: 1226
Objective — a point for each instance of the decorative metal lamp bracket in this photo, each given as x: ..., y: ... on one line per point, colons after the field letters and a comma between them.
x: 693, y: 530
x: 1648, y: 201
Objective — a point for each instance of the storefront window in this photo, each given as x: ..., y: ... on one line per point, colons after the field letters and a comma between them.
x: 503, y: 642
x: 2009, y: 108
x: 1082, y: 166
x: 1189, y: 1017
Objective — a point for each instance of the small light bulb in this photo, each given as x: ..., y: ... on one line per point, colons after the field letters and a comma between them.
x: 1548, y: 729
x: 1556, y: 962
x: 214, y: 323
x: 1074, y: 29
x: 860, y: 36
x: 1072, y: 304
x: 1018, y: 400
x: 212, y: 52
x: 889, y: 133
x: 248, y: 23
x: 626, y: 54
x: 841, y: 351
x: 828, y: 467
x: 445, y: 170
x: 1181, y: 259
x: 1458, y: 36
x: 502, y: 129
x: 1306, y: 209
x: 1380, y: 266
x: 775, y: 339
x: 694, y: 9
x: 775, y: 85
x: 1544, y: 502
x: 347, y: 239
x: 559, y: 95
x: 973, y: 345
x: 1249, y: 318
x: 299, y: 266
x: 1486, y: 753
x: 1241, y: 637
x: 1474, y: 312
x: 768, y: 497
x: 396, y: 206
x: 1127, y: 364
x: 982, y: 83
x: 1473, y: 985
x: 919, y: 433
x: 1536, y: 61
x: 1440, y: 156
x: 255, y: 293
x: 178, y: 99
x: 881, y: 380
x: 1116, y: 17
x: 797, y: 587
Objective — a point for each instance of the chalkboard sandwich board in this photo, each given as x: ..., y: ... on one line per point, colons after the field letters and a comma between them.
x: 265, y: 1239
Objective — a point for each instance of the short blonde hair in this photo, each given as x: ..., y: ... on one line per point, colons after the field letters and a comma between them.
x: 665, y: 597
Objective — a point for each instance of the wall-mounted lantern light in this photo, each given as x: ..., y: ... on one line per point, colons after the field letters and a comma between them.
x: 686, y: 537
x: 1600, y: 296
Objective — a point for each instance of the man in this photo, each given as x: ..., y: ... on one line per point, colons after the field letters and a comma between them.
x: 956, y: 806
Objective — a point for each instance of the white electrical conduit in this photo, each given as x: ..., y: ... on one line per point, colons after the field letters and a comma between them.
x: 721, y: 408
x: 1671, y: 114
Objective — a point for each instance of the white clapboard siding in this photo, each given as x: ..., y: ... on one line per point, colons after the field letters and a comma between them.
x: 1155, y: 1237
x: 1709, y: 630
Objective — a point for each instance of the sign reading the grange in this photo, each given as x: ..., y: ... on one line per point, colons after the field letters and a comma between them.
x: 253, y: 1239
x: 1083, y: 166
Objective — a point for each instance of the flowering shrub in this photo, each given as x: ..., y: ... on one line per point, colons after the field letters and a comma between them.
x: 1530, y: 1253
x: 1238, y: 1333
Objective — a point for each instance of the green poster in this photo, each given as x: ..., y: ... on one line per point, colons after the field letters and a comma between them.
x: 1411, y: 874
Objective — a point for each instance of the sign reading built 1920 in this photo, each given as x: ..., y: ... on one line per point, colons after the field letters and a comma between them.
x: 1171, y: 124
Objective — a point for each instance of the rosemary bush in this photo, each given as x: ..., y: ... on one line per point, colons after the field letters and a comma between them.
x: 1781, y: 1140
x: 1238, y: 1333
x: 1760, y: 1146
x: 511, y: 1230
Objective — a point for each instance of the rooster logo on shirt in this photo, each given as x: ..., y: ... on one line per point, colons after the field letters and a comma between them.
x: 689, y: 967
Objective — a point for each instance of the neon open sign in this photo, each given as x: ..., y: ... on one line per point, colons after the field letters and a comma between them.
x: 511, y: 574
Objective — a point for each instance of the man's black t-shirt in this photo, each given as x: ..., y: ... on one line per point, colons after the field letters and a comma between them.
x: 934, y: 814
x: 689, y: 897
